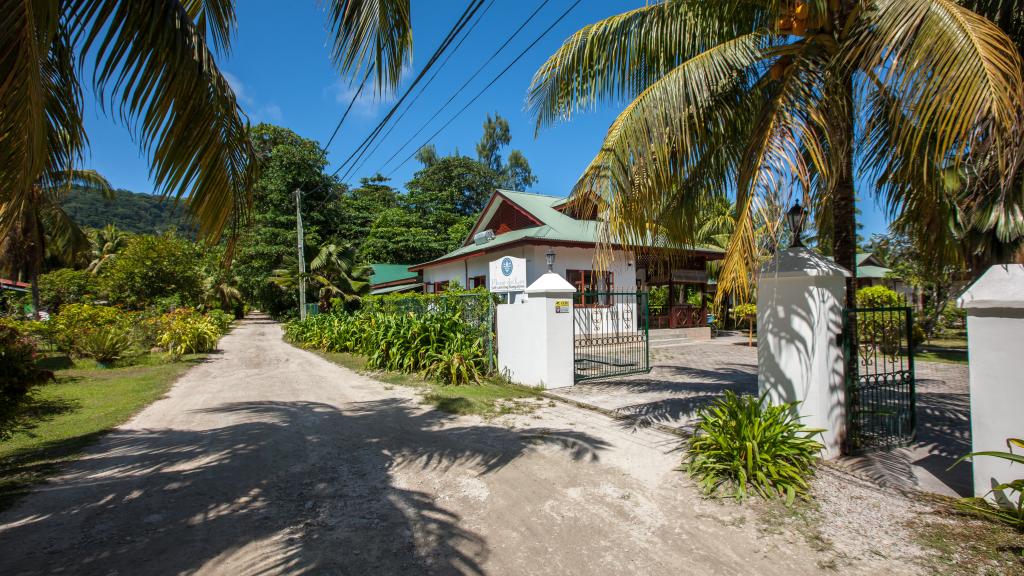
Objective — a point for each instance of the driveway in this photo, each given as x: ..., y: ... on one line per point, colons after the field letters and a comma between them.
x: 267, y: 459
x: 687, y: 377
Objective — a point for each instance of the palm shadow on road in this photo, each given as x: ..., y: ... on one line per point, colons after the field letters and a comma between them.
x: 275, y: 487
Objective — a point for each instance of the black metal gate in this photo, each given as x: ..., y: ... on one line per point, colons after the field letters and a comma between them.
x: 610, y: 334
x: 880, y: 399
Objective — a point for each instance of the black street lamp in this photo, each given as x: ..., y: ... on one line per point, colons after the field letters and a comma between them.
x: 795, y: 218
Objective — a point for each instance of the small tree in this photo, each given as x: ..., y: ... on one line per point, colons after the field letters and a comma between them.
x: 154, y: 267
x: 66, y: 286
x: 746, y: 312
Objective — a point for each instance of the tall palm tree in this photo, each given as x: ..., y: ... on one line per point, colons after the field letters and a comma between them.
x: 106, y: 243
x: 43, y: 229
x: 754, y: 98
x: 154, y: 69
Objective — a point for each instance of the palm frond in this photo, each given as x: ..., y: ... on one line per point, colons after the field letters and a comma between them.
x: 618, y: 58
x: 215, y: 19
x: 375, y: 34
x: 154, y: 70
x: 958, y: 81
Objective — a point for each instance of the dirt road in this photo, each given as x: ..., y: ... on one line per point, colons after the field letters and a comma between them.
x: 269, y: 460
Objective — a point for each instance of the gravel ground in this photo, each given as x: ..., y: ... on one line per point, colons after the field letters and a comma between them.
x: 270, y: 460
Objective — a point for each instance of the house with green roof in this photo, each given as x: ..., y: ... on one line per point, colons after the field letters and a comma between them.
x: 391, y: 278
x: 528, y: 226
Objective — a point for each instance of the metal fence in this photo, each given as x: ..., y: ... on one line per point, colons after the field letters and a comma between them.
x: 610, y: 334
x: 880, y: 386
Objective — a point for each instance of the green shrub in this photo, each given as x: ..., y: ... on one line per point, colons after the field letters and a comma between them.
x: 221, y: 319
x: 881, y: 331
x: 744, y: 444
x: 1007, y: 511
x: 152, y: 269
x: 18, y: 372
x: 76, y: 320
x: 104, y: 344
x: 879, y: 297
x: 66, y: 286
x: 187, y: 332
x: 439, y: 343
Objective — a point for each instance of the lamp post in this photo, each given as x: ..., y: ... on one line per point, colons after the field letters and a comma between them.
x: 550, y: 257
x: 795, y: 219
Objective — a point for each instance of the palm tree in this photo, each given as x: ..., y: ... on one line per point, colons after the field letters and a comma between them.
x: 751, y: 98
x: 106, y: 243
x: 155, y: 70
x: 334, y: 270
x: 41, y: 228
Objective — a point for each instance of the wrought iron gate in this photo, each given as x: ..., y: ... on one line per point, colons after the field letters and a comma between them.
x: 880, y: 398
x: 610, y: 334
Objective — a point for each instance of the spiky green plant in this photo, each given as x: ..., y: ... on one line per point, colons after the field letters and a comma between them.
x: 1007, y: 510
x: 745, y: 445
x: 104, y: 344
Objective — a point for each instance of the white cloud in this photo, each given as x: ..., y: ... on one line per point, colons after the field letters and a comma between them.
x: 259, y: 112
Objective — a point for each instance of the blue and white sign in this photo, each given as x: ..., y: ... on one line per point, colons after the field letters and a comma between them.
x: 507, y: 274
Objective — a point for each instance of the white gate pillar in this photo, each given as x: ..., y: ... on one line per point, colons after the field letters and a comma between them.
x: 995, y: 348
x: 800, y: 297
x: 535, y: 346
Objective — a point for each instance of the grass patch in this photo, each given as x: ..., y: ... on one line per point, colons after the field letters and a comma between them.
x: 940, y: 355
x: 965, y: 543
x: 493, y: 397
x: 65, y: 416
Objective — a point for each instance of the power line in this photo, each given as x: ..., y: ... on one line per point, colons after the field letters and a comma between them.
x: 422, y: 90
x: 347, y: 110
x: 467, y: 15
x: 466, y: 83
x: 491, y: 83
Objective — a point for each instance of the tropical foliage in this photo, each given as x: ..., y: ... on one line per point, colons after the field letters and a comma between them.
x: 156, y: 69
x: 154, y: 267
x: 188, y: 332
x: 1007, y: 510
x: 744, y: 445
x: 758, y: 99
x: 18, y: 372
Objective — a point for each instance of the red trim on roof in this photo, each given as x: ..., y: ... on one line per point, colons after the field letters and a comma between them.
x: 399, y: 282
x: 507, y: 201
x: 15, y: 283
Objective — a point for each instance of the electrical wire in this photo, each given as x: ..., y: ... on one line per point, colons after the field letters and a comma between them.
x: 466, y: 83
x: 467, y: 15
x: 491, y: 83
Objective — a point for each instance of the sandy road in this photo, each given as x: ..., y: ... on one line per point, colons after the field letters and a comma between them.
x: 269, y: 460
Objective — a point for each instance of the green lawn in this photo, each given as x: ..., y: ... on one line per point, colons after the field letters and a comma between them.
x: 65, y: 416
x: 490, y: 398
x: 950, y: 350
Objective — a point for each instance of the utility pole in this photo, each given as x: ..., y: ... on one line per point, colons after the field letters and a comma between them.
x: 302, y: 254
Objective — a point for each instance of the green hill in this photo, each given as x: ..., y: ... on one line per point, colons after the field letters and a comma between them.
x: 130, y: 211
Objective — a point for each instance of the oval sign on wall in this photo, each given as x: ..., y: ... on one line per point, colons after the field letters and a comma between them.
x: 507, y: 274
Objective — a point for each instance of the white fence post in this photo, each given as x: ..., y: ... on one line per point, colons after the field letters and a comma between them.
x: 535, y: 346
x: 799, y: 357
x: 995, y: 347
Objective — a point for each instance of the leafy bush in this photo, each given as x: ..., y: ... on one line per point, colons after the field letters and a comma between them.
x: 439, y: 343
x: 18, y: 372
x: 879, y: 297
x: 76, y: 320
x: 883, y: 331
x: 221, y: 319
x: 187, y: 332
x: 153, y: 268
x: 743, y: 444
x: 66, y: 286
x: 104, y: 344
x: 1007, y: 511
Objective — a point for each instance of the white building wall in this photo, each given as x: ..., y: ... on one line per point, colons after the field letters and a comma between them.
x: 622, y: 268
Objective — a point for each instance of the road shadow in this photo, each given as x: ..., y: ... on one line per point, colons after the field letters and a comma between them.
x: 270, y: 488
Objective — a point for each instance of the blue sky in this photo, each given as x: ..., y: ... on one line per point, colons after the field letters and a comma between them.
x: 280, y: 68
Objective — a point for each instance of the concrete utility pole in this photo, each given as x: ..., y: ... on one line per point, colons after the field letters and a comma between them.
x: 302, y: 254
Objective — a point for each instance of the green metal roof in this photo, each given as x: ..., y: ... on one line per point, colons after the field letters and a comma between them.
x: 399, y: 288
x: 555, y: 225
x: 384, y: 273
x: 872, y: 272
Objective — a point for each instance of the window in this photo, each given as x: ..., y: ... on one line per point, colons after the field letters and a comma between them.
x: 478, y: 281
x: 587, y: 282
x: 436, y: 287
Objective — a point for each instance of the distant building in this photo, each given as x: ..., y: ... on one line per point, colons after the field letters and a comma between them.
x: 872, y: 272
x: 392, y: 278
x: 528, y: 225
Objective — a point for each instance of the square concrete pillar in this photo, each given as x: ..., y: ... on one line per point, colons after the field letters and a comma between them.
x: 535, y: 346
x: 995, y: 348
x: 800, y: 297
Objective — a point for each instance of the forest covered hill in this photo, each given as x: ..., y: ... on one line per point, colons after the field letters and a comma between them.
x: 129, y: 211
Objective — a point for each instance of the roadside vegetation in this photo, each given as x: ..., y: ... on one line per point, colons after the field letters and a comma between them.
x: 63, y: 416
